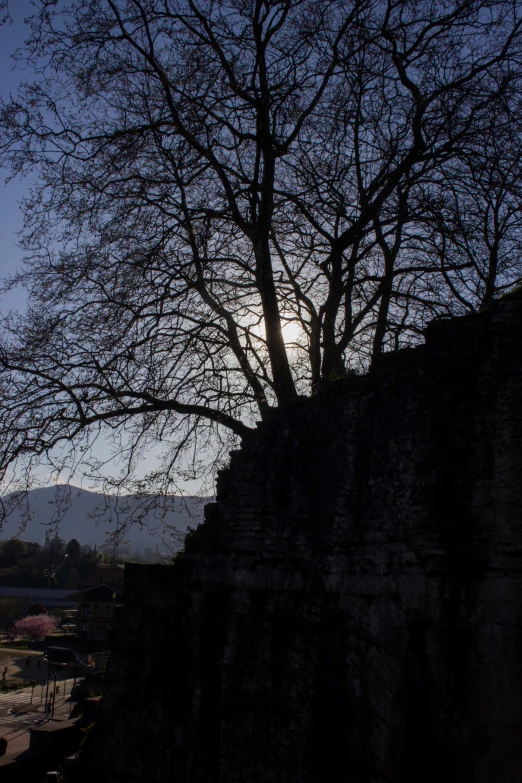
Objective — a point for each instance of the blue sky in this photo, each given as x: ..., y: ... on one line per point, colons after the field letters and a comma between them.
x: 11, y: 221
x: 11, y: 36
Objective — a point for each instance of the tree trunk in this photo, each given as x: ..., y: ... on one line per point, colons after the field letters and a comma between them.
x: 283, y: 382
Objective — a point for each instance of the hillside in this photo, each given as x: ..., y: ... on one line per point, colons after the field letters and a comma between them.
x: 92, y: 517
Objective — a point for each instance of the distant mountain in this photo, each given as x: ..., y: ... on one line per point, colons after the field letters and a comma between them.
x: 91, y: 518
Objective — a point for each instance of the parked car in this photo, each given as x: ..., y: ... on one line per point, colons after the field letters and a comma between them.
x: 64, y: 657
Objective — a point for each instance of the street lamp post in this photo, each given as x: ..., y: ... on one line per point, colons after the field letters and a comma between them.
x: 47, y: 690
x: 54, y: 693
x: 72, y: 691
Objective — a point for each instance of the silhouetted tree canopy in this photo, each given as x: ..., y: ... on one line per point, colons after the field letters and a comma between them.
x: 13, y: 549
x: 37, y: 608
x: 236, y: 199
x: 73, y: 549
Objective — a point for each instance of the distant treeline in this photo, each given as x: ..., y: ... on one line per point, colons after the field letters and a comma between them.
x: 57, y: 563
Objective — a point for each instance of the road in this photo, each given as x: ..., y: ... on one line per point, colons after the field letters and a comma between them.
x: 19, y: 713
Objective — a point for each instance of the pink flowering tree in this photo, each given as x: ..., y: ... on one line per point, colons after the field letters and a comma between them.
x: 35, y: 626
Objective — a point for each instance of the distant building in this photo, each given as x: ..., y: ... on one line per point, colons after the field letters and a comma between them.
x: 96, y: 599
x: 50, y: 598
x: 33, y: 547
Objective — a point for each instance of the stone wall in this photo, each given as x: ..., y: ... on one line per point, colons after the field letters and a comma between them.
x: 351, y: 610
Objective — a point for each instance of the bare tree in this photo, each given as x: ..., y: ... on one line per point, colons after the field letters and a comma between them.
x: 234, y: 200
x: 476, y: 219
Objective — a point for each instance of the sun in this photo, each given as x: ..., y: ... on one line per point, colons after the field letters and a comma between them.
x: 291, y: 332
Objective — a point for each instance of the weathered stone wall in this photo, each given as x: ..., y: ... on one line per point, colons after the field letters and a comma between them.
x: 352, y: 608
